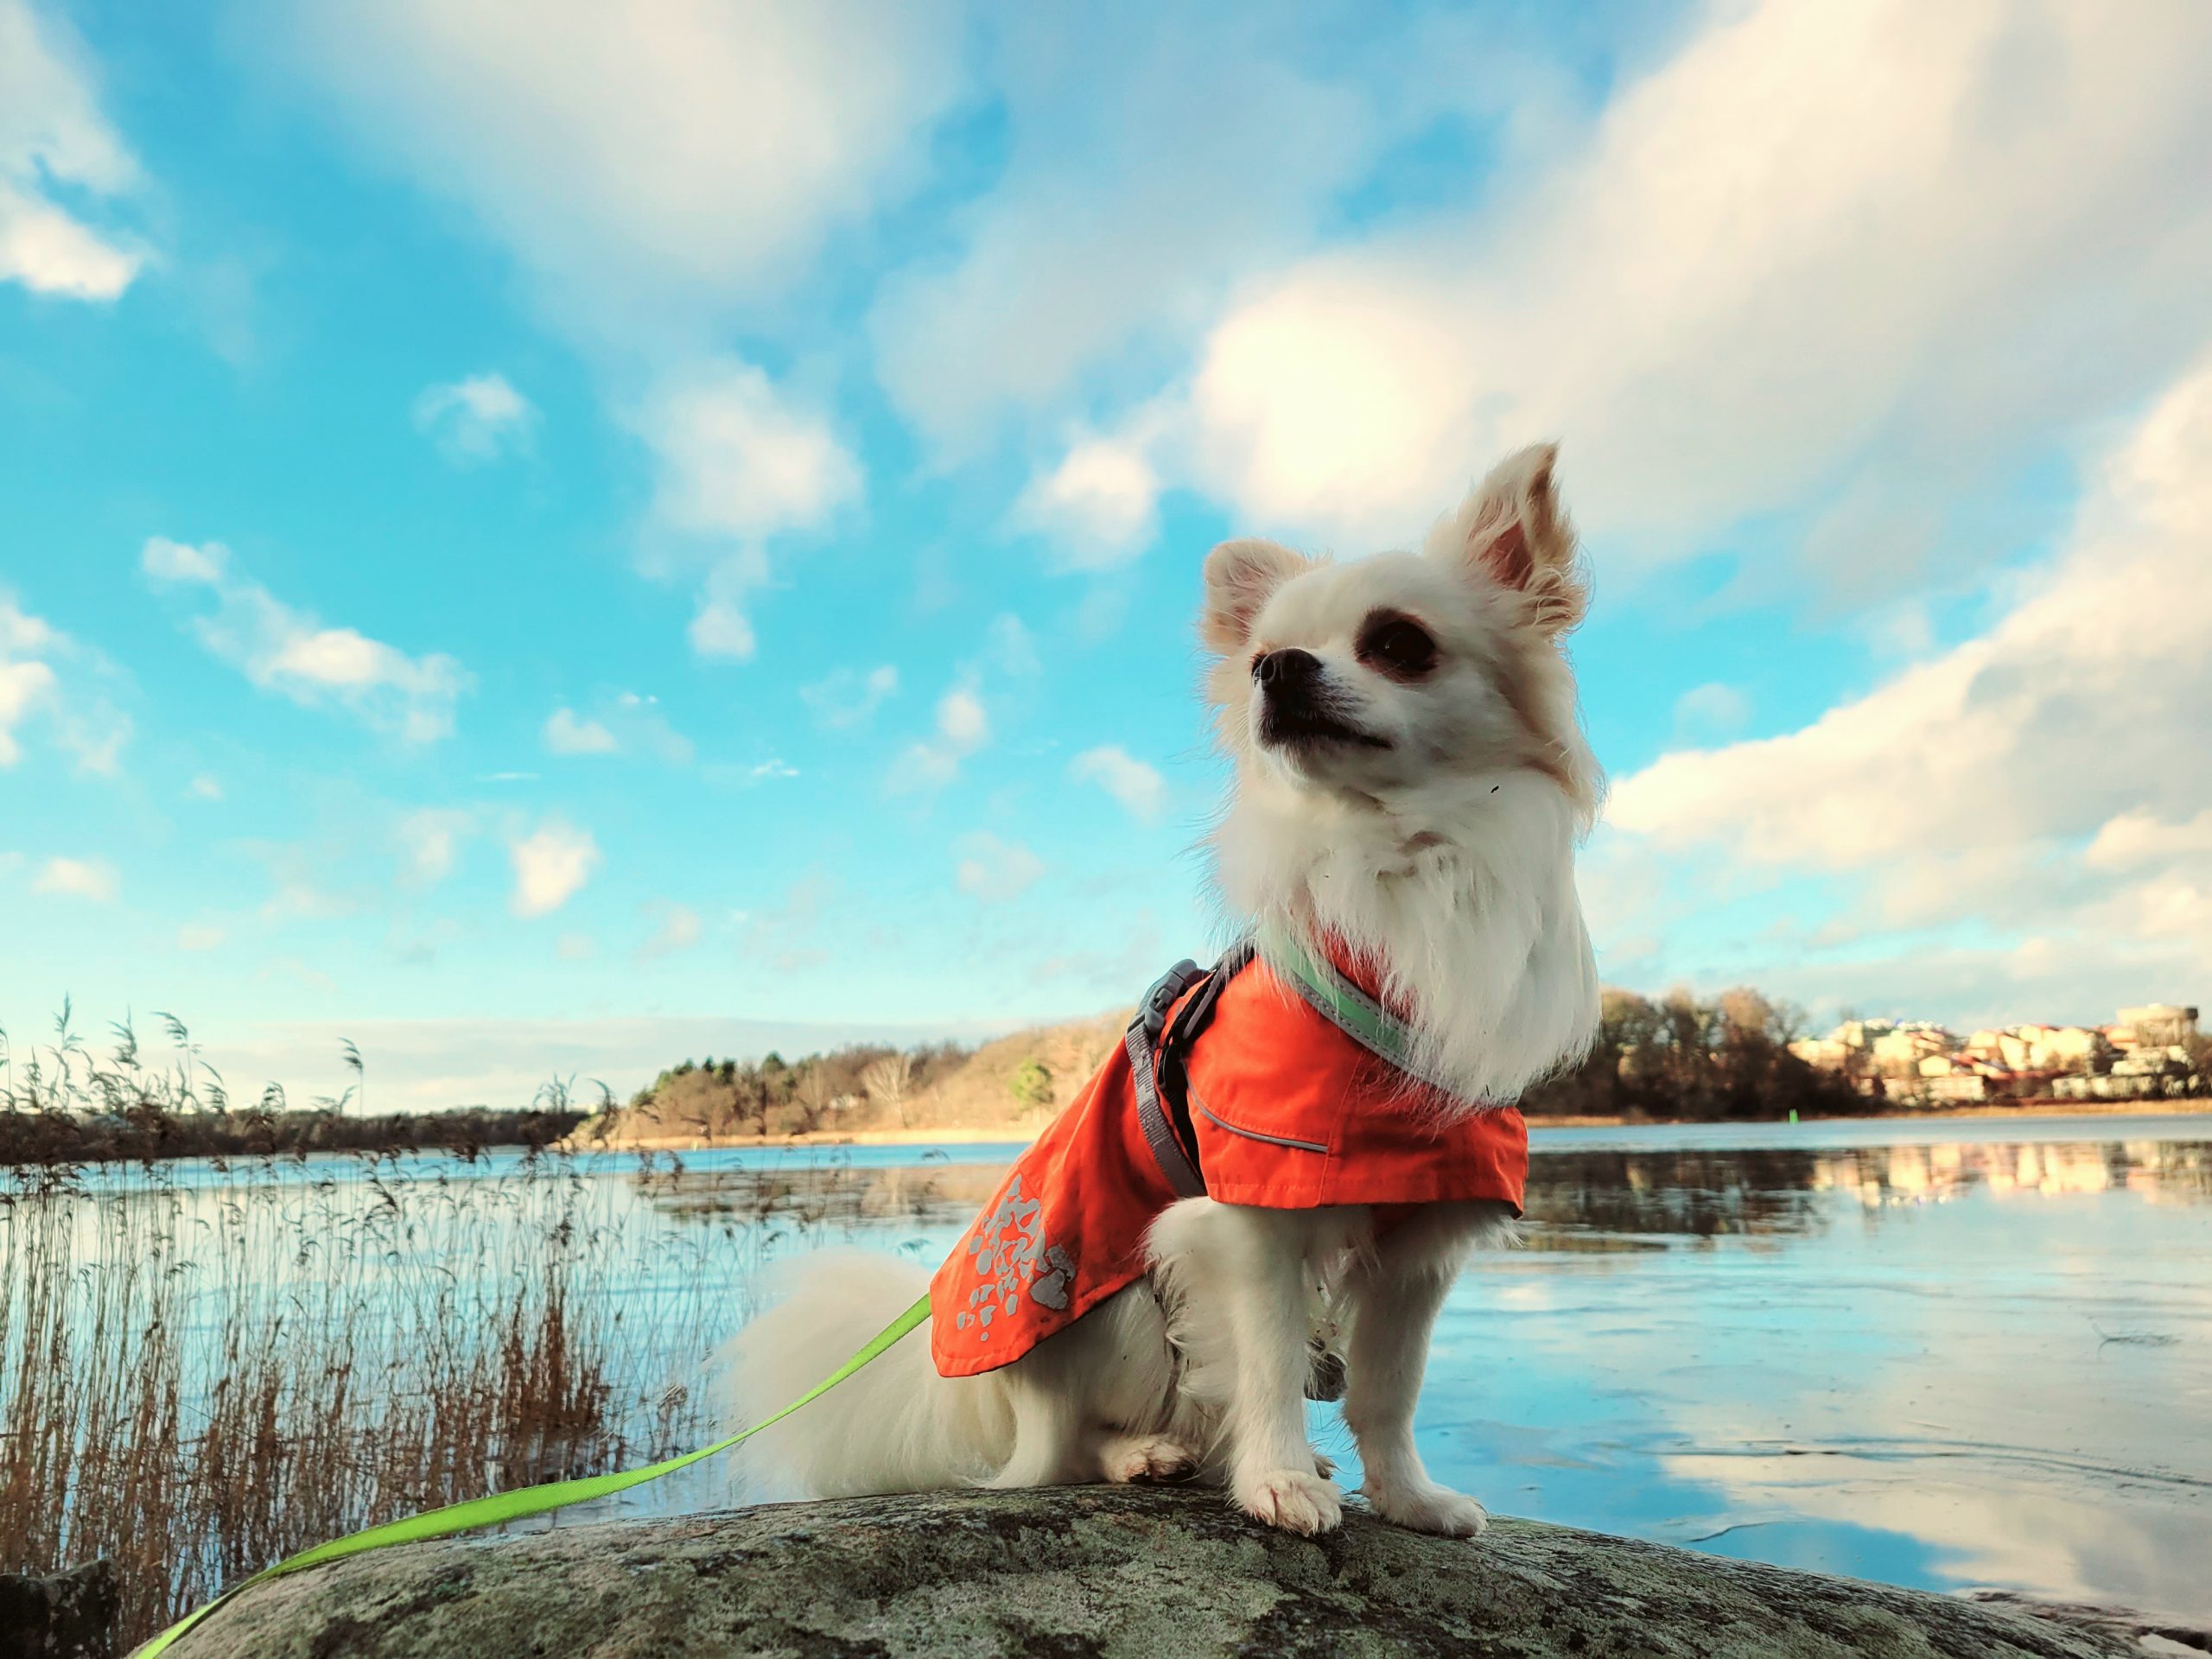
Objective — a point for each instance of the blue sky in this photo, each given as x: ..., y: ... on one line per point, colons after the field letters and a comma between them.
x: 558, y: 537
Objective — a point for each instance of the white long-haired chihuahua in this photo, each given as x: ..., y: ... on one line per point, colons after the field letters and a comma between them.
x: 1411, y: 782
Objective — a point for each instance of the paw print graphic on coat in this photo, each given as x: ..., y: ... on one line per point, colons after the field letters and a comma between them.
x: 1011, y: 1255
x: 1051, y: 1286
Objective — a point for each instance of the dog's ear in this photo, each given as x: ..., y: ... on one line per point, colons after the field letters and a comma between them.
x: 1239, y: 576
x: 1514, y: 530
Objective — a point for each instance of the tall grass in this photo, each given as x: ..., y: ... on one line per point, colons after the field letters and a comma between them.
x: 61, y: 1104
x: 206, y: 1366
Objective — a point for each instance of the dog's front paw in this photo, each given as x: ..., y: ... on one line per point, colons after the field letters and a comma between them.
x: 1295, y: 1500
x: 1424, y: 1506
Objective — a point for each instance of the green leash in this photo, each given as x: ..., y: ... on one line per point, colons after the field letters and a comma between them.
x: 527, y: 1500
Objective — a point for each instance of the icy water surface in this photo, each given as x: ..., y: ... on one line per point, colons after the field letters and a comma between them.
x: 1961, y: 1354
x: 1964, y: 1355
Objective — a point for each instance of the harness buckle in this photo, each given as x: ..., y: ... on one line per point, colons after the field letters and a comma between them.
x: 1152, y: 1012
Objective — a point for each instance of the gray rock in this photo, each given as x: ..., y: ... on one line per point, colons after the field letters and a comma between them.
x: 1104, y: 1571
x: 68, y: 1616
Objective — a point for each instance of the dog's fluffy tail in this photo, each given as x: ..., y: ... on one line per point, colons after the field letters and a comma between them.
x: 894, y: 1427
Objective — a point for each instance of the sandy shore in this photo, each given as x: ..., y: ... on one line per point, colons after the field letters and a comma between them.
x: 1011, y: 1136
x: 2199, y: 1107
x: 1021, y: 1135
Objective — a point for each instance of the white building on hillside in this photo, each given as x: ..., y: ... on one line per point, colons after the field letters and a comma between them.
x: 2156, y: 1025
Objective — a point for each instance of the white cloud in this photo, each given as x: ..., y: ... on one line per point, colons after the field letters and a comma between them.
x: 48, y: 252
x: 721, y: 627
x: 920, y: 768
x: 430, y: 841
x: 96, y: 739
x: 1711, y: 710
x: 789, y: 934
x: 1011, y: 649
x: 639, y: 722
x: 2046, y: 782
x: 82, y: 722
x: 168, y: 561
x: 738, y: 461
x: 1140, y: 182
x: 292, y: 971
x: 994, y: 870
x: 22, y: 632
x: 736, y: 465
x: 205, y: 787
x: 626, y: 723
x: 651, y: 165
x: 80, y: 878
x: 289, y: 651
x: 477, y: 419
x: 663, y: 172
x: 566, y: 734
x: 301, y: 879
x: 1140, y: 789
x: 848, y: 697
x: 26, y: 681
x: 551, y: 865
x: 1871, y: 250
x: 52, y: 133
x: 680, y: 929
x: 963, y: 721
x: 960, y: 720
x: 2136, y: 839
x: 963, y: 726
x: 1142, y: 188
x: 199, y: 938
x: 1099, y: 505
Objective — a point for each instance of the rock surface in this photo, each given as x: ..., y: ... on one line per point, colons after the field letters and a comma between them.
x: 68, y: 1616
x: 1104, y: 1571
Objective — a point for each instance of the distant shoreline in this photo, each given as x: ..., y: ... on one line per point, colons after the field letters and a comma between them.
x: 30, y: 1141
x: 1022, y: 1134
x: 58, y: 1141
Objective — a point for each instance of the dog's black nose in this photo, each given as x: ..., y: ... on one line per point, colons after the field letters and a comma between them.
x: 1286, y: 668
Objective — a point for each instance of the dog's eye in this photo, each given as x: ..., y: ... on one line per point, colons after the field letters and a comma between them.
x: 1398, y: 645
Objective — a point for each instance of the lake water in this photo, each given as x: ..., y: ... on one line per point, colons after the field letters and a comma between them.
x: 1961, y: 1354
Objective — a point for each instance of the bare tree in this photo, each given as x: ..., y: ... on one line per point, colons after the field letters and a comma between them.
x: 889, y: 1080
x: 814, y: 1092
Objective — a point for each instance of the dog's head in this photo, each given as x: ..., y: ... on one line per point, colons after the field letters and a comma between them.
x: 1403, y: 671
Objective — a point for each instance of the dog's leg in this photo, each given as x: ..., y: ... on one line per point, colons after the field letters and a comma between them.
x: 1251, y: 1275
x: 1396, y: 1292
x: 1127, y: 1457
x: 1049, y: 1432
x: 1146, y: 1436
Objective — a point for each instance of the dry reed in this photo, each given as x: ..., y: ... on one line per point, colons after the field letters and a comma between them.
x: 206, y: 1366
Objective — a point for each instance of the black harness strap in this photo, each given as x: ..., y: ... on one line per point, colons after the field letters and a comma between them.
x: 1142, y: 1041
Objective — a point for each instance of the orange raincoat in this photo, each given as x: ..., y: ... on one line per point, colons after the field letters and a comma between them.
x: 1285, y: 1110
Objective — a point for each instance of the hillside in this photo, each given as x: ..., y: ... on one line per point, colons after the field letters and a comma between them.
x: 983, y: 1093
x: 1013, y: 1084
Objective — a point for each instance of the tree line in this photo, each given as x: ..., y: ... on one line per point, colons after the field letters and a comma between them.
x: 1684, y: 1058
x: 1678, y: 1056
x: 773, y: 1095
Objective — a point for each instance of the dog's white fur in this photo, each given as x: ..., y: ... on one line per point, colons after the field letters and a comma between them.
x: 1438, y: 845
